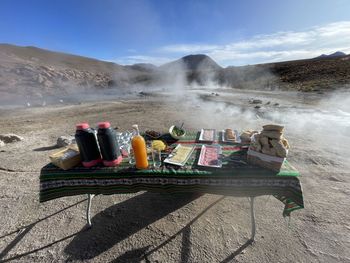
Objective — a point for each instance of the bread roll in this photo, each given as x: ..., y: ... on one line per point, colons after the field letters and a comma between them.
x: 279, y: 147
x: 264, y: 141
x: 285, y: 143
x: 272, y: 134
x: 273, y: 127
x: 230, y: 135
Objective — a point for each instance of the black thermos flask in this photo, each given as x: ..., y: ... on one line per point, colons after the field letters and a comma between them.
x: 108, y: 144
x: 87, y: 144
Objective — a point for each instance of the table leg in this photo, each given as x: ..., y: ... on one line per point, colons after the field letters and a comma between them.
x: 88, y: 214
x: 252, y: 218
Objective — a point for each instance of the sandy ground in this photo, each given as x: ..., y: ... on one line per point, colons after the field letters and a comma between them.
x: 147, y: 227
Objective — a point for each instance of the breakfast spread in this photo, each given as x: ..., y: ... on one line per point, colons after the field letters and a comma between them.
x: 268, y: 148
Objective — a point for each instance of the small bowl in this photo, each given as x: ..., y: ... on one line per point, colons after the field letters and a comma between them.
x: 174, y: 135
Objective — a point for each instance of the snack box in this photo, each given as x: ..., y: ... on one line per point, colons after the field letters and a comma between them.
x: 267, y: 161
x: 66, y: 158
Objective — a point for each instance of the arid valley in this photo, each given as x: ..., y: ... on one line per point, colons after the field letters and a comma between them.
x: 150, y: 227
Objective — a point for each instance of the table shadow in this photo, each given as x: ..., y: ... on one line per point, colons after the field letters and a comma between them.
x: 142, y: 254
x: 21, y: 232
x: 46, y: 148
x: 122, y: 220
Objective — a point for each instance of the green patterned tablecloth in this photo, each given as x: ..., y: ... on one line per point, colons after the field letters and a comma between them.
x: 235, y: 178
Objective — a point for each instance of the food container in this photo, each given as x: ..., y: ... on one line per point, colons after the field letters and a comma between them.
x: 66, y: 158
x: 175, y: 136
x: 180, y: 155
x: 210, y: 156
x: 224, y: 140
x: 267, y: 161
x: 207, y: 135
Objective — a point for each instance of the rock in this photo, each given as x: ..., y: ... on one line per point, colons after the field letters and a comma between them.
x: 256, y: 101
x: 41, y: 79
x: 64, y: 141
x: 10, y: 138
x: 257, y: 107
x: 2, y: 143
x: 276, y: 104
x: 48, y: 83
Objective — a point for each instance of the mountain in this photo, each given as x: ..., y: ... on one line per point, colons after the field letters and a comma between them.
x: 198, y: 62
x: 34, y: 74
x: 198, y: 69
x: 34, y: 55
x: 333, y: 55
x: 146, y: 67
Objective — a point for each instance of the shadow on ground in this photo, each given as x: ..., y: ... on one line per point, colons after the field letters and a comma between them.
x: 46, y: 148
x: 139, y: 255
x: 21, y: 232
x: 122, y: 220
x: 117, y: 223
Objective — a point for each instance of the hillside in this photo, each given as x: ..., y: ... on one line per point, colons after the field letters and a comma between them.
x: 320, y: 74
x: 309, y: 75
x: 29, y: 73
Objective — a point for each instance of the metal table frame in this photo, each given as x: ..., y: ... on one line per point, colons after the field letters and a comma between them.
x: 252, y: 215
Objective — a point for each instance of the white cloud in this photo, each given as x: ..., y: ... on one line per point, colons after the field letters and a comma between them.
x: 188, y: 48
x: 155, y: 60
x: 279, y: 46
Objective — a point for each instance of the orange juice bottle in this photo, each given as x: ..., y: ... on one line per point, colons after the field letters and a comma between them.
x: 139, y: 147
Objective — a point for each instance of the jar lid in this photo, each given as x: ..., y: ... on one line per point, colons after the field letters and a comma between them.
x: 82, y: 126
x: 104, y: 125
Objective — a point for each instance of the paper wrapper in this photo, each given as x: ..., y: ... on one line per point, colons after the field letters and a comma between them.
x: 267, y: 161
x: 66, y: 158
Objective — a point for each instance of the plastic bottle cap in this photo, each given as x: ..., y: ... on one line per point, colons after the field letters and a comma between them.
x: 104, y: 125
x: 82, y: 126
x: 136, y: 129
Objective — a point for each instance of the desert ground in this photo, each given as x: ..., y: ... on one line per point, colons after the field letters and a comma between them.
x: 148, y: 227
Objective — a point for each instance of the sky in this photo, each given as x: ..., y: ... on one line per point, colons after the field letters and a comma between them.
x: 158, y: 31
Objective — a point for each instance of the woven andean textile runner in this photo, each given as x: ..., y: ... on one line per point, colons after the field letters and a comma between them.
x: 235, y: 178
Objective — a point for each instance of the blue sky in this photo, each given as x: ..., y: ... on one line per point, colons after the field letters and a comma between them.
x: 157, y: 31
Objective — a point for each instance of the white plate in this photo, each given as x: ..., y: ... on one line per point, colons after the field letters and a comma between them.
x: 202, y: 134
x: 170, y: 158
x: 201, y: 156
x: 223, y: 137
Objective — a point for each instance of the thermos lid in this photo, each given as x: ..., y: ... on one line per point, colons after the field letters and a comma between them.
x: 82, y: 126
x: 104, y: 125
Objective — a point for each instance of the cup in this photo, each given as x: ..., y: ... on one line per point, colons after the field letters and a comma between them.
x: 156, y: 158
x: 131, y: 155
